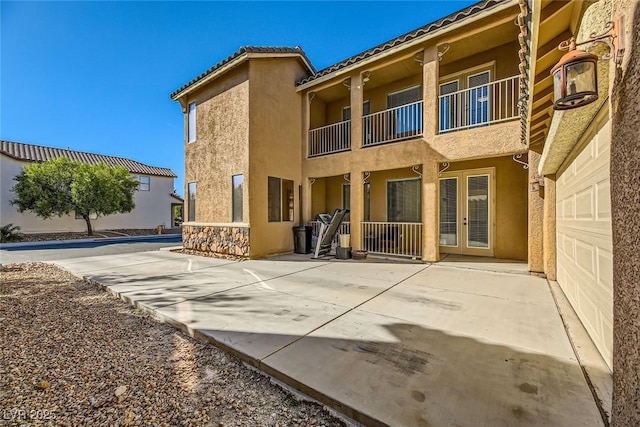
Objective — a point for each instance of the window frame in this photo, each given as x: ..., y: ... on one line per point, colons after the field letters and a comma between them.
x: 140, y: 183
x: 280, y: 202
x: 191, y: 122
x: 191, y: 201
x: 235, y: 200
x: 419, y: 181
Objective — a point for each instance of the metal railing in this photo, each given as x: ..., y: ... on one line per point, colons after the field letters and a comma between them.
x: 329, y: 139
x: 345, y: 228
x: 393, y: 238
x: 478, y: 106
x: 393, y: 124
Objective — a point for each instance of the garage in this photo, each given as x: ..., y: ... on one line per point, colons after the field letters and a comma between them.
x: 584, y: 242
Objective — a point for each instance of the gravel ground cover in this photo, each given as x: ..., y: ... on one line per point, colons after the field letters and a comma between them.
x: 72, y: 355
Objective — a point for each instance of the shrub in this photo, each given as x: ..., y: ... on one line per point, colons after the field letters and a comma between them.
x: 10, y: 233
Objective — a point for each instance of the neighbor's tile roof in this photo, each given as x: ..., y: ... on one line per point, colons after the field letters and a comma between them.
x: 240, y: 52
x: 426, y: 29
x: 38, y: 153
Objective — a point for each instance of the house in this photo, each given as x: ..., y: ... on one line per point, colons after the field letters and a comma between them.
x: 423, y: 124
x: 155, y: 199
x: 443, y: 140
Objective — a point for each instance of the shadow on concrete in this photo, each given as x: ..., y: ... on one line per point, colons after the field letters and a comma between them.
x: 425, y: 377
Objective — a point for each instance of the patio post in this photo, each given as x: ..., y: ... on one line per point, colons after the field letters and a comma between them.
x: 430, y: 233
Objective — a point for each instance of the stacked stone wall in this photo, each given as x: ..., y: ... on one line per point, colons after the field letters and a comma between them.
x: 221, y: 239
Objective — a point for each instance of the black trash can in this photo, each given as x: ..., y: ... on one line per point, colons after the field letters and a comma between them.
x: 302, y: 239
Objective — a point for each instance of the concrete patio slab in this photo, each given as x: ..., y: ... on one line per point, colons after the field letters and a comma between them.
x: 252, y: 321
x: 385, y: 343
x: 406, y: 374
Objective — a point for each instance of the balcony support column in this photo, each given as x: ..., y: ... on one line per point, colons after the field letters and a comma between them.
x: 430, y: 231
x: 430, y: 77
x: 356, y: 95
x: 306, y: 123
x: 357, y: 207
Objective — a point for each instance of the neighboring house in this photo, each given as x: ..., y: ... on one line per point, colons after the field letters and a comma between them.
x: 154, y: 199
x: 440, y: 141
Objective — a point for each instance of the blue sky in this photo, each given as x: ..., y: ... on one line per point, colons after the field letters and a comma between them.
x: 96, y: 76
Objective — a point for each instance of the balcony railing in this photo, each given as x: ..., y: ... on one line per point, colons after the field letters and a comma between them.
x: 393, y: 238
x: 330, y: 139
x: 394, y: 124
x: 478, y: 106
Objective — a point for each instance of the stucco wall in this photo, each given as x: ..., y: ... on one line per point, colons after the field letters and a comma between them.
x: 625, y: 195
x: 275, y: 150
x: 503, y: 56
x: 221, y: 147
x: 153, y: 207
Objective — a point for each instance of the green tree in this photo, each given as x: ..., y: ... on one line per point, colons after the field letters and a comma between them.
x: 62, y: 186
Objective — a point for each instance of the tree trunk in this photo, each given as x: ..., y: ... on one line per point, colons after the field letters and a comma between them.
x: 89, y: 228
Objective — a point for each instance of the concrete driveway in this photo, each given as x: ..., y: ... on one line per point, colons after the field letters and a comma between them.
x: 384, y: 343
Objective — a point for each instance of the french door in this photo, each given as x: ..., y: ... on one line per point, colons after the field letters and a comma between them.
x: 466, y: 207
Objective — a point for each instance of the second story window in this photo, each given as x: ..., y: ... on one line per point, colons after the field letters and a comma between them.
x: 145, y: 183
x: 191, y: 125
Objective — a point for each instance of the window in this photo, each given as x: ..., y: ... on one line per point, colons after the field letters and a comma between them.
x: 448, y: 105
x: 280, y: 199
x: 191, y: 201
x: 236, y: 196
x: 192, y: 122
x: 408, y: 118
x: 145, y: 183
x: 403, y: 201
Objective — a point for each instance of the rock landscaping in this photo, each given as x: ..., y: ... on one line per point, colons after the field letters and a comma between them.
x: 73, y: 354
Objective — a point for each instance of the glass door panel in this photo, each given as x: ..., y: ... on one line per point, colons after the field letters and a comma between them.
x: 478, y: 221
x: 449, y: 211
x: 479, y: 98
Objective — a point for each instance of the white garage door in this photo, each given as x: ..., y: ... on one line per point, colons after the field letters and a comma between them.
x: 583, y: 215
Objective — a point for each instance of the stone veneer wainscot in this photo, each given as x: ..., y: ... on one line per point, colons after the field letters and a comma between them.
x: 222, y: 239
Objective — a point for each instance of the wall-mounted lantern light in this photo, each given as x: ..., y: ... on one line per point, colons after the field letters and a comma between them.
x: 575, y: 80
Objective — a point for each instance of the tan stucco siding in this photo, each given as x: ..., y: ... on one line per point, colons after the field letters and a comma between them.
x: 275, y: 148
x: 221, y: 147
x: 378, y: 180
x: 377, y: 96
x: 326, y: 195
x: 511, y: 204
x: 504, y: 59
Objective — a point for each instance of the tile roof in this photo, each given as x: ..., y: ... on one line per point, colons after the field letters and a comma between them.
x: 425, y: 29
x: 38, y: 153
x: 244, y: 50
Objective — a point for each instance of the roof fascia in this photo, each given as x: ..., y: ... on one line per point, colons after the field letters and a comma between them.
x: 236, y: 62
x: 226, y: 67
x: 410, y: 44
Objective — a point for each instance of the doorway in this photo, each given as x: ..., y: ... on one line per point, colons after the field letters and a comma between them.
x: 467, y: 212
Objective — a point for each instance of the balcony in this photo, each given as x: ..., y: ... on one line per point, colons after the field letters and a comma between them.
x: 483, y: 105
x: 391, y: 125
x: 329, y: 139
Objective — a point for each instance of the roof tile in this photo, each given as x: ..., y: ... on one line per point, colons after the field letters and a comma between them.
x: 38, y: 153
x: 241, y: 51
x: 425, y: 29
